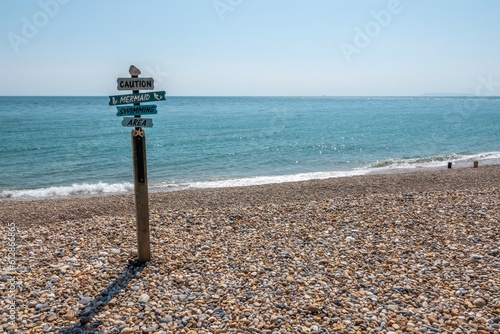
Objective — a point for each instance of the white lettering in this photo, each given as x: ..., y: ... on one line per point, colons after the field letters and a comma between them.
x: 372, y: 29
x: 40, y: 19
x: 348, y: 50
x: 51, y: 7
x: 134, y: 98
x: 221, y: 8
x: 393, y: 5
x: 361, y: 40
x: 489, y: 84
x: 383, y: 17
x: 16, y: 40
x: 478, y: 92
x: 28, y: 30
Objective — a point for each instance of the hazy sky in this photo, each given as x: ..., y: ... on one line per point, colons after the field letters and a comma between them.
x: 250, y: 47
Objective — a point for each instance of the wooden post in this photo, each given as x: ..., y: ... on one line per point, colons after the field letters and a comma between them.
x: 449, y: 164
x: 141, y: 194
x: 476, y: 163
x: 141, y: 186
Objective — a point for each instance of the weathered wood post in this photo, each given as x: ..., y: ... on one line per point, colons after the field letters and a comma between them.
x: 449, y: 165
x: 140, y: 184
x: 476, y: 163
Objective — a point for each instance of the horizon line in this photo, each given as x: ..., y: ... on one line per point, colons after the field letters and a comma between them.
x: 420, y: 95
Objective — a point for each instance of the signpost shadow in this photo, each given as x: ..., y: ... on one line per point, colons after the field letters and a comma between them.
x: 98, y: 303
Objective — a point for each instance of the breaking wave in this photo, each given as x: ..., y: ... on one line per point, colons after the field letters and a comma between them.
x: 75, y: 190
x: 459, y: 160
x: 385, y: 166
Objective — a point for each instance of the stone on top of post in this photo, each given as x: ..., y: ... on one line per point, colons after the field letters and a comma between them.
x: 134, y: 71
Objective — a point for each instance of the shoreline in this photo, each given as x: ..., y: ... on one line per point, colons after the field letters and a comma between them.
x: 47, y: 210
x: 72, y: 190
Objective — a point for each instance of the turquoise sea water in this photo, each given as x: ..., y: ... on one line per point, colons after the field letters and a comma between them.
x: 76, y: 146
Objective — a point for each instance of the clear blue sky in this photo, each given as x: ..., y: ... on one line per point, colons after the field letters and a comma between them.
x: 250, y: 47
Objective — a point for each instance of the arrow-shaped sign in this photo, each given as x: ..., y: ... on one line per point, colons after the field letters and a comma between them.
x: 147, y: 109
x: 136, y: 98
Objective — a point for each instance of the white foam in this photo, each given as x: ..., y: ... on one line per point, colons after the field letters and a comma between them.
x: 459, y: 160
x: 258, y: 180
x: 387, y: 166
x: 75, y: 190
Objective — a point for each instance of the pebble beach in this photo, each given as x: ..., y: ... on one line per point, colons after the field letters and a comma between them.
x: 394, y: 253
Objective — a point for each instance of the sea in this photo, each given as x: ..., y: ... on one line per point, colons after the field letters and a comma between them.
x: 59, y: 147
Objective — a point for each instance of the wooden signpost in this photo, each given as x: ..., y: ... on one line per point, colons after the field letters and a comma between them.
x: 135, y: 84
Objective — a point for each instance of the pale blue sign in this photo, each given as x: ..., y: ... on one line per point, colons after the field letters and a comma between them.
x: 136, y: 98
x: 137, y: 122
